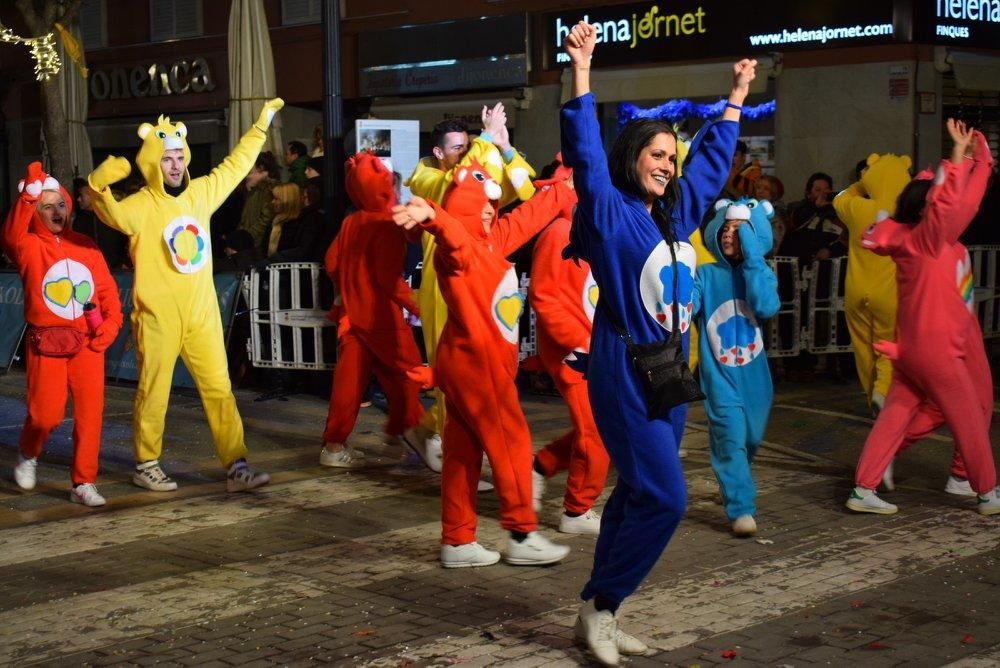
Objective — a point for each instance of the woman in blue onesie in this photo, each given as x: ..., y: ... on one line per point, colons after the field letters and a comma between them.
x: 629, y: 205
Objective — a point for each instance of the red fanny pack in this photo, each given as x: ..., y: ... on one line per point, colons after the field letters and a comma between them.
x: 56, y: 341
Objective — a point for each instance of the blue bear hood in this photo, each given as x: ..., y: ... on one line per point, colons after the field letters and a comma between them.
x: 758, y: 213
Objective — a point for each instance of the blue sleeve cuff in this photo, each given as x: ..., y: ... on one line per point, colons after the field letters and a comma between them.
x: 508, y: 155
x: 486, y: 137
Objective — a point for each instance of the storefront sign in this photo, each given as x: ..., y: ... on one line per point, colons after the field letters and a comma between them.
x: 178, y: 78
x: 969, y: 23
x: 693, y: 29
x: 463, y: 75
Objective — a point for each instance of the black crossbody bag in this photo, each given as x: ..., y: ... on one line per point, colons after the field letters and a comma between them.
x: 663, y: 371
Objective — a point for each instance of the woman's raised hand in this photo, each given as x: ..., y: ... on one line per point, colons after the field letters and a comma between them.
x: 579, y: 44
x: 411, y: 214
x: 744, y: 71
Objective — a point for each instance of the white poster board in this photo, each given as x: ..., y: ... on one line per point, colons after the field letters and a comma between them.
x: 397, y: 143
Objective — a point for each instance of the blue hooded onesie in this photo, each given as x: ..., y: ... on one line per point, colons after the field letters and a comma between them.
x: 630, y: 261
x: 730, y: 299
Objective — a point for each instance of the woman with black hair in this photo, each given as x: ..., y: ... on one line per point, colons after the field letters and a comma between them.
x: 632, y: 225
x: 940, y: 371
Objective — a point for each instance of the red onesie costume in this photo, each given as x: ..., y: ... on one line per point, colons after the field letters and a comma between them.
x: 564, y: 296
x: 365, y: 263
x: 61, y: 272
x: 477, y: 354
x: 938, y: 354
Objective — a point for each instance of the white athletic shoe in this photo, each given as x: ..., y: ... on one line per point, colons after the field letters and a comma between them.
x: 887, y: 479
x: 866, y: 501
x: 589, y: 523
x: 598, y: 628
x: 534, y: 550
x: 629, y: 644
x: 86, y: 494
x: 537, y: 490
x: 25, y: 471
x: 152, y: 477
x: 470, y: 555
x: 989, y: 503
x: 242, y: 479
x: 346, y: 457
x: 958, y: 487
x: 744, y: 525
x: 427, y: 446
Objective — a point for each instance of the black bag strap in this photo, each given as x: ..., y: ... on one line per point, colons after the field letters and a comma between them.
x: 674, y: 313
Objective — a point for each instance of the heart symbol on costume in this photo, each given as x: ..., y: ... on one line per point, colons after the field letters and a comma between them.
x: 751, y: 346
x: 82, y: 292
x: 592, y: 294
x: 59, y: 292
x: 508, y: 310
x: 739, y: 360
x: 733, y: 350
x: 689, y: 308
x: 723, y: 359
x: 661, y: 318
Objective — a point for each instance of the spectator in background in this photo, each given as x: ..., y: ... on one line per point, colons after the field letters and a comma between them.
x: 301, y: 237
x: 317, y: 144
x: 257, y: 212
x: 813, y: 230
x: 296, y: 158
x: 239, y: 251
x: 772, y: 189
x: 314, y: 167
x: 112, y: 243
x: 742, y: 176
x: 286, y: 202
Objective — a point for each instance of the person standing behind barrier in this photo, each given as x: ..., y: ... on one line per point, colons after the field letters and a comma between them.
x: 301, y: 237
x: 286, y: 202
x: 430, y: 179
x: 564, y: 295
x: 257, y: 211
x: 938, y: 359
x: 631, y: 207
x: 62, y: 272
x: 175, y: 307
x: 731, y: 297
x: 365, y: 263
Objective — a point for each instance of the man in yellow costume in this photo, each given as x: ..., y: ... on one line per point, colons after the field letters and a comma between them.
x: 430, y: 179
x: 175, y: 307
x: 870, y: 288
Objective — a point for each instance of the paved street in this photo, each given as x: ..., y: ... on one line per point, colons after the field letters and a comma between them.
x: 339, y: 566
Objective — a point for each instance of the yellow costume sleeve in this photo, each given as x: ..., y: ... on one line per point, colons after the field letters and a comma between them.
x: 123, y: 216
x: 216, y: 186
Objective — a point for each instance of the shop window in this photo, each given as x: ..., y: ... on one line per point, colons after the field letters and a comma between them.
x: 981, y: 108
x: 295, y: 12
x: 174, y: 19
x: 93, y: 24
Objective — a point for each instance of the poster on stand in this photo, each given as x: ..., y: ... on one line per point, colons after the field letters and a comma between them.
x: 396, y: 143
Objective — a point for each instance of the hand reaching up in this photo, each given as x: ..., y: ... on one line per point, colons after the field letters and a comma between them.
x: 409, y: 215
x: 579, y: 44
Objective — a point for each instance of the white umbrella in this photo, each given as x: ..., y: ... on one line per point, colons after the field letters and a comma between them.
x: 74, y: 94
x: 251, y: 72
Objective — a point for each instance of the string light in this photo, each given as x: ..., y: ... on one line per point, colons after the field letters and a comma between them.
x: 676, y: 110
x: 43, y: 50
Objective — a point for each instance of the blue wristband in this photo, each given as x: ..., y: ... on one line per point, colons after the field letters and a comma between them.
x: 734, y: 106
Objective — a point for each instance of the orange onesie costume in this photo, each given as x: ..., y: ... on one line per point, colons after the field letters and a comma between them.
x: 564, y: 296
x: 365, y: 263
x: 477, y: 358
x: 61, y: 271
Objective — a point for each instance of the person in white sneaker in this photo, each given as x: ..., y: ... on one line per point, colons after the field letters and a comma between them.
x: 564, y: 297
x: 939, y: 362
x: 175, y: 307
x: 62, y: 272
x: 632, y: 224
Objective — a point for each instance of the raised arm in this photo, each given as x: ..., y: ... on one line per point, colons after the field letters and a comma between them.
x: 121, y: 216
x: 515, y: 228
x: 15, y: 231
x: 451, y: 237
x: 762, y: 284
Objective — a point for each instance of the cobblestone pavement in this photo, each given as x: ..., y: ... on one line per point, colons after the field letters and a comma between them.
x: 341, y: 566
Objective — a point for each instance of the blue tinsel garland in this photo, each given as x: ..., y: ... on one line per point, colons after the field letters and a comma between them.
x: 676, y: 110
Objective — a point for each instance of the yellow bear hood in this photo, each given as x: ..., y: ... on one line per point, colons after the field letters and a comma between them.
x: 156, y: 139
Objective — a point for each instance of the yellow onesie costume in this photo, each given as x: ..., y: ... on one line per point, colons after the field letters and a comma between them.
x: 175, y: 308
x: 870, y: 290
x: 429, y: 182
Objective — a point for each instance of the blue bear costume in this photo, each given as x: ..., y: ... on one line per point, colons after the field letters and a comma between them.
x: 631, y: 264
x: 730, y: 299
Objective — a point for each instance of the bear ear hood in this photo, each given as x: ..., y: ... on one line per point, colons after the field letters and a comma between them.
x: 369, y: 183
x: 164, y: 136
x: 471, y: 189
x: 37, y: 226
x: 885, y: 178
x: 757, y: 213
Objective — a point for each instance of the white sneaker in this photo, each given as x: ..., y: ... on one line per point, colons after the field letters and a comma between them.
x: 470, y: 555
x: 152, y: 477
x: 426, y: 445
x: 598, y: 629
x: 589, y: 523
x: 25, y: 471
x: 537, y: 490
x: 989, y: 503
x: 86, y: 494
x: 242, y: 479
x: 866, y: 501
x: 958, y: 487
x: 344, y: 458
x: 484, y: 486
x: 887, y: 478
x: 534, y: 550
x: 745, y: 525
x: 627, y: 644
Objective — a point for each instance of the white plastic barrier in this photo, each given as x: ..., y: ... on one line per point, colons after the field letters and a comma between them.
x: 288, y: 325
x: 985, y: 265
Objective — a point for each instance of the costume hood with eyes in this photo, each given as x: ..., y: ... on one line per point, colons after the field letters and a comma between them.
x: 61, y: 273
x: 870, y: 288
x: 938, y: 352
x: 480, y: 341
x: 176, y: 309
x: 365, y: 263
x: 731, y: 298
